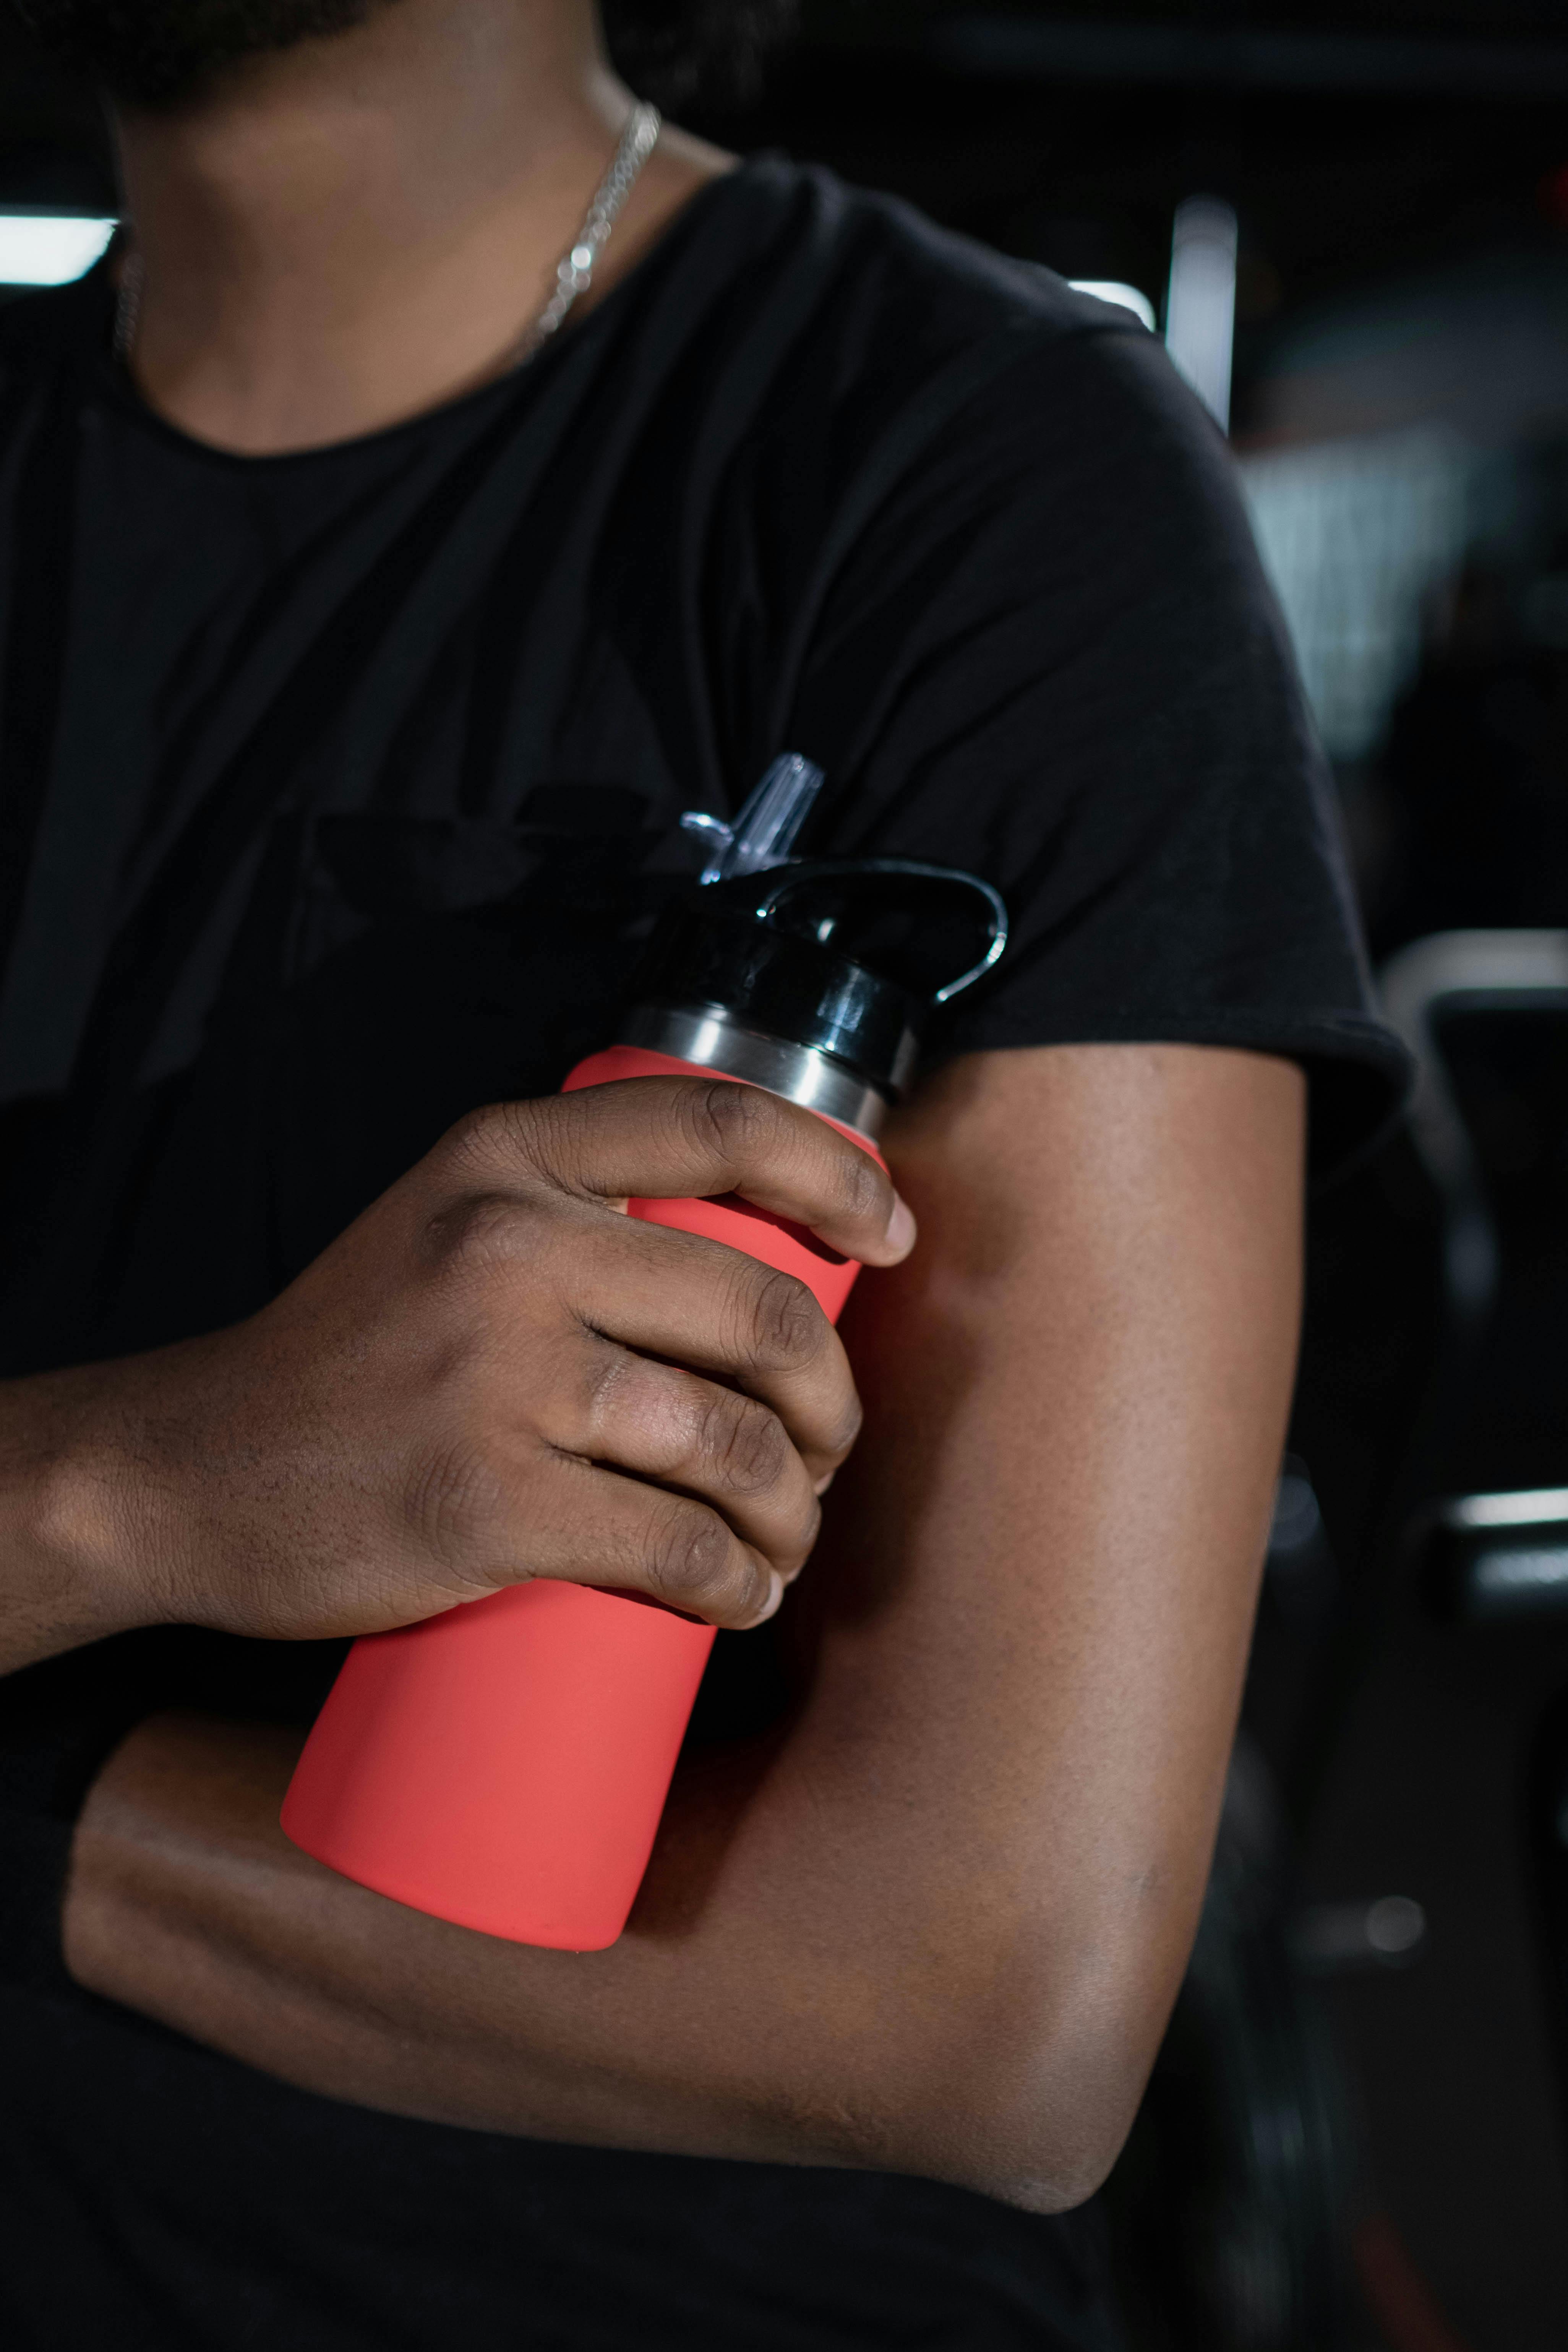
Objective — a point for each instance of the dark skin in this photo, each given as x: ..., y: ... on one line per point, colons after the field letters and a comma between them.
x: 343, y: 233
x: 482, y: 1380
x: 936, y: 1925
x: 937, y: 1922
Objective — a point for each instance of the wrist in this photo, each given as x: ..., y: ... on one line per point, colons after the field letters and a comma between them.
x: 70, y: 1565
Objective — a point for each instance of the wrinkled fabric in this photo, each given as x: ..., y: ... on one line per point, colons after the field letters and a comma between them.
x: 338, y: 792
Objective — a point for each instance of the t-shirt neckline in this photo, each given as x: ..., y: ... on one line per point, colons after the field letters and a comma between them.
x: 115, y: 383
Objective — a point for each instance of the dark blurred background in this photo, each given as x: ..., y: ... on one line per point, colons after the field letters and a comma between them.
x: 1357, y: 2136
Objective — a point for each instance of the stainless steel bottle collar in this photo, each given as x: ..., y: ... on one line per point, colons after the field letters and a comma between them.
x: 709, y: 1038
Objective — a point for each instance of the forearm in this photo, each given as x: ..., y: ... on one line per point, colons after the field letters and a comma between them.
x: 747, y: 2013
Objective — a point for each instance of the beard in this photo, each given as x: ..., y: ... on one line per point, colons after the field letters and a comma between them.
x: 158, y: 54
x: 709, y: 53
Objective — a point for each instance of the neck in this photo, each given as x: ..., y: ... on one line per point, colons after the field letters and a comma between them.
x: 353, y: 230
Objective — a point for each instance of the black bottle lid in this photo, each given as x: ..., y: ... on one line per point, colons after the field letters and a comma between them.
x: 846, y: 957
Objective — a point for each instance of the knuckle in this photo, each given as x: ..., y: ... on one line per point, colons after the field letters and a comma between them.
x: 784, y: 1327
x: 729, y: 1121
x: 480, y: 1228
x: 469, y: 1137
x: 862, y: 1188
x: 689, y: 1559
x: 743, y: 1443
x: 498, y: 1132
x: 607, y: 1378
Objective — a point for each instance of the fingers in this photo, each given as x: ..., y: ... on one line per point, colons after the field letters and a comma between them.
x: 504, y: 1257
x: 665, y: 1138
x: 674, y: 1407
x: 710, y: 1308
x: 623, y: 1536
x: 660, y: 1422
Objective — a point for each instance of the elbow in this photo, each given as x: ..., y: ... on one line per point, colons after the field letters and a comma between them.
x: 1025, y: 2099
x: 1044, y: 2135
x: 1047, y: 2142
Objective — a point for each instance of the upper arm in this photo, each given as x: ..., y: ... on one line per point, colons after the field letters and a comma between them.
x: 1031, y: 1611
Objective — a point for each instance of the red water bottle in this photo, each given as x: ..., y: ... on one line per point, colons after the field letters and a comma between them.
x: 504, y: 1766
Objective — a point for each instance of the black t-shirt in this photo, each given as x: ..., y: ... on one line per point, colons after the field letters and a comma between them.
x: 339, y: 791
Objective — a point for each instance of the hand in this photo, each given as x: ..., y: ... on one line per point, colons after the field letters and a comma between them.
x: 494, y: 1375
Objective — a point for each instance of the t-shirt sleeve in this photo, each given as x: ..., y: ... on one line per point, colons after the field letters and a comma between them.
x: 1051, y: 657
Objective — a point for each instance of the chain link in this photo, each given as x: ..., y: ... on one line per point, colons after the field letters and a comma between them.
x: 574, y: 270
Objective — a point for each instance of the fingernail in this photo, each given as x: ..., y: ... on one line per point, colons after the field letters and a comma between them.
x: 900, y: 1224
x: 823, y: 1484
x: 775, y: 1594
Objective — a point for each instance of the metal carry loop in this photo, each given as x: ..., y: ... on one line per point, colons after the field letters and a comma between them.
x: 817, y: 869
x: 763, y: 833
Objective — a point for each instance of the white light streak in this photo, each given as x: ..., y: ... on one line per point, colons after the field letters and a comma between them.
x: 1516, y: 1578
x: 38, y: 248
x: 1538, y: 1507
x: 1111, y: 289
x: 1200, y: 310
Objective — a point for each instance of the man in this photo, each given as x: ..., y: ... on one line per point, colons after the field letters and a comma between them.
x: 364, y: 646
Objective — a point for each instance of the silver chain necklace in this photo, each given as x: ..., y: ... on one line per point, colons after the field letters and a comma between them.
x: 573, y: 271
